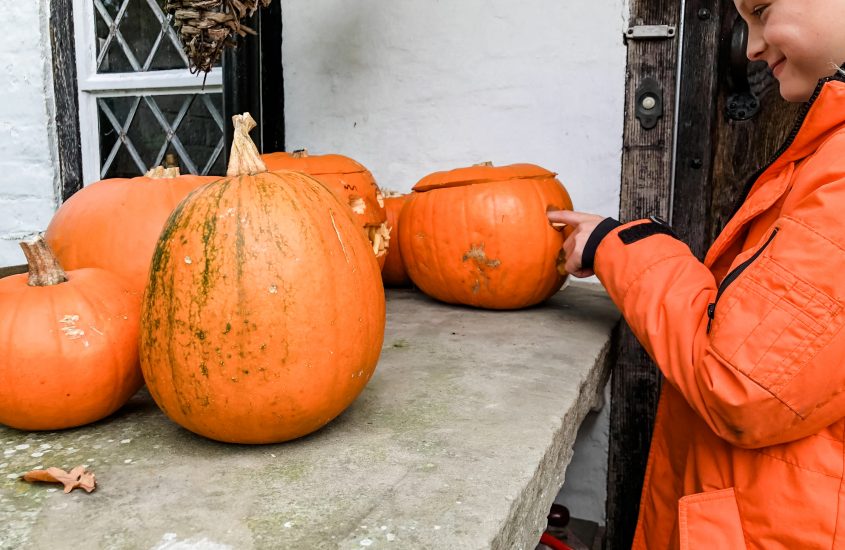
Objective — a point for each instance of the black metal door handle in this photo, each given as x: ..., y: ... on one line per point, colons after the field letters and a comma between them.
x: 741, y: 104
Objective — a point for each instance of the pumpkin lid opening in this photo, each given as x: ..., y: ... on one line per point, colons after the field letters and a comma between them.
x: 162, y: 172
x: 481, y: 173
x: 315, y: 165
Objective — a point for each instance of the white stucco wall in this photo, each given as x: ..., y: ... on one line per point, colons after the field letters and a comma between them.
x: 408, y: 87
x: 28, y: 170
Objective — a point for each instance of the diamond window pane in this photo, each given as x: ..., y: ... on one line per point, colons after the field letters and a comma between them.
x: 138, y: 132
x: 136, y: 36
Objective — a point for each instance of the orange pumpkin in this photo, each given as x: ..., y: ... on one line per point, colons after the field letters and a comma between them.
x: 264, y: 315
x: 351, y: 182
x: 70, y: 344
x: 479, y: 235
x: 114, y: 224
x: 393, y: 273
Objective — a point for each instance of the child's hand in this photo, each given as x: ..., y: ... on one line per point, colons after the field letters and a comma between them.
x: 582, y: 226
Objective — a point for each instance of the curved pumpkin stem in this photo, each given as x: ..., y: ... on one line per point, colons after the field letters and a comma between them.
x: 44, y: 268
x: 245, y: 158
x: 160, y: 172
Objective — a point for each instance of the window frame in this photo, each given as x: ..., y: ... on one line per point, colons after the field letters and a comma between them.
x: 251, y: 79
x: 92, y: 86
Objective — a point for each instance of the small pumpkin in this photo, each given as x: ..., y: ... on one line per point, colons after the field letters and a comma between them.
x: 393, y: 273
x: 264, y: 315
x: 114, y: 223
x: 480, y: 236
x: 69, y: 344
x: 351, y: 182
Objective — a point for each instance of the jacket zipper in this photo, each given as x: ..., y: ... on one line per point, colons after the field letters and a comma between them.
x: 802, y: 115
x: 732, y: 276
x: 799, y: 122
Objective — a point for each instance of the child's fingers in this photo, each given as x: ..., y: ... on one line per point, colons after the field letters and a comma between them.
x: 568, y: 217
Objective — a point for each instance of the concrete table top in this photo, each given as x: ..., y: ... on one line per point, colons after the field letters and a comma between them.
x: 460, y: 440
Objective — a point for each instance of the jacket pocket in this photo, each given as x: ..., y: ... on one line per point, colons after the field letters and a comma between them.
x: 710, y: 520
x: 770, y: 323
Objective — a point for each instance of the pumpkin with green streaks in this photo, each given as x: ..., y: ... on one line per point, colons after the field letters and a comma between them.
x: 264, y: 315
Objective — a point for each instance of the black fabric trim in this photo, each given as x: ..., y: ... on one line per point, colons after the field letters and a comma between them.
x: 588, y: 255
x: 643, y: 230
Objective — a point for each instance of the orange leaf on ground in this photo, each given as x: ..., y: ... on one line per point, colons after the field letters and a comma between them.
x: 78, y: 477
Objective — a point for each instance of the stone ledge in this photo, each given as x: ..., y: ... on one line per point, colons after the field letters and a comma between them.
x: 460, y: 440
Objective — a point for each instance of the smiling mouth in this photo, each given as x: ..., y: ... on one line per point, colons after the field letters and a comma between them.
x: 777, y: 65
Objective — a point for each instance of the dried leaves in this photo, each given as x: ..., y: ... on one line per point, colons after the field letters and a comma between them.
x: 78, y: 477
x: 207, y: 26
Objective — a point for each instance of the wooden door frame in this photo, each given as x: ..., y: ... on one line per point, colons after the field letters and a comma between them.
x: 66, y: 95
x: 672, y: 182
x: 253, y: 81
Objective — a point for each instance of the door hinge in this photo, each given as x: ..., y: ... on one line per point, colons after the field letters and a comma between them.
x: 650, y: 32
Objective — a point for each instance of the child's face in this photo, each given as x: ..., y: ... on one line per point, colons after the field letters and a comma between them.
x: 801, y: 40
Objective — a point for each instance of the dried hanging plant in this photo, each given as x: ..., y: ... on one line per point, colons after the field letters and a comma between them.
x: 207, y: 26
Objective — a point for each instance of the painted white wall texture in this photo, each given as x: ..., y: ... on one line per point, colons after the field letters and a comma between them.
x: 409, y: 87
x: 28, y: 173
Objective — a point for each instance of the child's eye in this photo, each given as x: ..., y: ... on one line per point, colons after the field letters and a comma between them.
x: 758, y: 11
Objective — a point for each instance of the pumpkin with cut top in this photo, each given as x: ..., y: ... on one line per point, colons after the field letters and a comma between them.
x: 264, y: 315
x: 351, y: 182
x: 479, y: 235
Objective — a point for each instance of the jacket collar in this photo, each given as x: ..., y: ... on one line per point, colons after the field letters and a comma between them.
x: 823, y: 114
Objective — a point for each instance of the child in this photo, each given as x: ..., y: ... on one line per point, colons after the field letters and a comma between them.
x: 748, y: 443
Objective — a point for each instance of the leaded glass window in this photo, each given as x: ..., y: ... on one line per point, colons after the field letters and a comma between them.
x: 139, y: 104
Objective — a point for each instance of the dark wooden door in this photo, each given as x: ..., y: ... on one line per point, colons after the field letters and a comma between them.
x: 730, y: 122
x: 253, y: 81
x: 743, y: 147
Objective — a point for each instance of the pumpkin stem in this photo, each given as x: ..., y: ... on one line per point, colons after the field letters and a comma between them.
x: 160, y: 172
x: 44, y: 268
x: 299, y: 154
x: 245, y: 158
x: 485, y: 163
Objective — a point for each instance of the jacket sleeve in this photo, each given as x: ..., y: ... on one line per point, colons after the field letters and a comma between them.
x: 771, y: 369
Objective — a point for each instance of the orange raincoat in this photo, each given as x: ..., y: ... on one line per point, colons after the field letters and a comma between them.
x: 747, y: 450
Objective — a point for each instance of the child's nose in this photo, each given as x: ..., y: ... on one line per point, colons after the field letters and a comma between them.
x: 756, y: 44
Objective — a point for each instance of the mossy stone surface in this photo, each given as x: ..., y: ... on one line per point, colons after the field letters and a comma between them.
x: 460, y: 440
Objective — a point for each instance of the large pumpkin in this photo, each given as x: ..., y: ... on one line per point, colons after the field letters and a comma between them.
x: 393, y: 273
x: 114, y: 224
x: 480, y: 236
x: 351, y: 182
x: 68, y: 344
x: 264, y: 315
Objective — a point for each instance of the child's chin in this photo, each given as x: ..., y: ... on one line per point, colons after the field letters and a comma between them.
x: 795, y: 94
